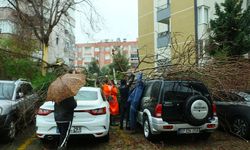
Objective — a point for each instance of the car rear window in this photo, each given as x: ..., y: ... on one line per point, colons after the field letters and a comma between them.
x: 86, y: 96
x: 182, y: 90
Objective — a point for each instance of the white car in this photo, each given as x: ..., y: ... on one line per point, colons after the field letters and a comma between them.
x: 91, y: 116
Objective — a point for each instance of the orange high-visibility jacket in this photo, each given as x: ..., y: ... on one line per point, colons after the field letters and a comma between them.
x: 114, y: 105
x: 109, y: 90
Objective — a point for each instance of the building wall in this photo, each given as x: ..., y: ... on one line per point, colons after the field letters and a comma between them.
x: 102, y: 52
x: 182, y: 26
x: 146, y: 32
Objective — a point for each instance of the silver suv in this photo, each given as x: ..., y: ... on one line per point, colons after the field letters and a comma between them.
x: 182, y: 107
x: 17, y: 106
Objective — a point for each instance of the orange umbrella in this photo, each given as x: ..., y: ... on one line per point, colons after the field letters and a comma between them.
x: 65, y: 86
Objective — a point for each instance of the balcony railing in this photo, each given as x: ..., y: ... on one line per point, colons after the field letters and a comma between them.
x: 163, y: 39
x: 163, y: 13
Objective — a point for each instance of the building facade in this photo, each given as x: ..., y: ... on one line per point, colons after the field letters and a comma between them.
x: 103, y: 51
x: 171, y: 24
x: 62, y: 38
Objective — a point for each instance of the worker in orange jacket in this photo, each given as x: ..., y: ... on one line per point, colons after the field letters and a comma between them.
x: 110, y: 91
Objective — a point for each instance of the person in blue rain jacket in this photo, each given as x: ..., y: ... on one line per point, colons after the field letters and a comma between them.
x: 134, y: 100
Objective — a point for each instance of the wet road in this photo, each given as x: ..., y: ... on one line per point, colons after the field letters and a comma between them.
x: 120, y: 139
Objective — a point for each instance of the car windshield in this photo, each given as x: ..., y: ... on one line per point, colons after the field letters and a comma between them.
x: 245, y: 95
x: 6, y: 90
x: 86, y: 95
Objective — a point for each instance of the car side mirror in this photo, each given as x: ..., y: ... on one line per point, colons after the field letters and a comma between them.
x: 20, y: 95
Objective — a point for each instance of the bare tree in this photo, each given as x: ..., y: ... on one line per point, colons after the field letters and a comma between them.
x: 41, y: 16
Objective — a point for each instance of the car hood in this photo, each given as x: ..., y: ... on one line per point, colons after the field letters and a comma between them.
x: 81, y: 105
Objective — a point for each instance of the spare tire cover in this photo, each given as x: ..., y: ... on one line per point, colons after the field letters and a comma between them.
x: 197, y: 110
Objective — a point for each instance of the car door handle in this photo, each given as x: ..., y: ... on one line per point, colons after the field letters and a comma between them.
x: 168, y: 104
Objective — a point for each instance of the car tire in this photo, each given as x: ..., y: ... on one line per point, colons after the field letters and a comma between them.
x: 11, y: 131
x: 241, y: 127
x: 196, y: 118
x: 147, y: 130
x: 104, y: 138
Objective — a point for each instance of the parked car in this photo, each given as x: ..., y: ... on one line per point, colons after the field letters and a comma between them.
x: 17, y: 106
x: 233, y: 109
x: 182, y: 107
x: 91, y: 116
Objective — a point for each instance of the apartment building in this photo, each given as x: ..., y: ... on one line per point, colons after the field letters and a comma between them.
x: 62, y: 38
x: 171, y: 24
x: 103, y: 52
x: 7, y: 19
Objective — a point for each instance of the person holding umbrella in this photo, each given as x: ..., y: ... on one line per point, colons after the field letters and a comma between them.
x: 63, y: 113
x: 62, y: 92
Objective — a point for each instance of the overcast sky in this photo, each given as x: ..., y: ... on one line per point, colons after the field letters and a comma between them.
x: 119, y: 20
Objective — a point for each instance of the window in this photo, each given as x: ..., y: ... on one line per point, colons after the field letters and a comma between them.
x: 134, y: 56
x: 86, y: 96
x: 97, y: 49
x: 7, y: 26
x: 87, y: 49
x: 199, y: 15
x: 203, y: 15
x: 107, y: 57
x: 107, y: 49
x: 155, y: 90
x: 6, y: 90
x: 87, y: 59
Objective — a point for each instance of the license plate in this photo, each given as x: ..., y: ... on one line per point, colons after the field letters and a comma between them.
x: 74, y: 129
x: 189, y: 131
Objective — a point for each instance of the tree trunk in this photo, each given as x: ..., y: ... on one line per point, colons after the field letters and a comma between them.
x: 45, y: 59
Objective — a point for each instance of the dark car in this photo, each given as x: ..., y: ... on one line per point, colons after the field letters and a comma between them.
x: 233, y: 110
x: 182, y: 107
x: 17, y: 106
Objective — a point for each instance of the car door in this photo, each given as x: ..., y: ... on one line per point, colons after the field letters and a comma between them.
x: 20, y: 103
x: 173, y: 97
x: 30, y: 100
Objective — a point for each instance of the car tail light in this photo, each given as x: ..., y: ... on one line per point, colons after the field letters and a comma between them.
x: 214, y: 110
x: 99, y: 111
x: 44, y: 112
x: 158, y: 110
x: 211, y: 126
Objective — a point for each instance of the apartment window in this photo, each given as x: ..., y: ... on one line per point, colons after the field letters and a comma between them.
x: 203, y: 15
x: 87, y: 59
x: 134, y: 56
x: 107, y: 49
x: 87, y: 49
x: 107, y: 57
x: 199, y: 15
x: 97, y: 49
x: 57, y: 40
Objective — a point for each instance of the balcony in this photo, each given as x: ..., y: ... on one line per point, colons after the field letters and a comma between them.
x: 163, y: 13
x: 163, y: 39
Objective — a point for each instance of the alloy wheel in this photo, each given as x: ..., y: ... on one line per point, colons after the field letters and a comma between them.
x: 12, y: 130
x: 146, y: 128
x: 240, y: 127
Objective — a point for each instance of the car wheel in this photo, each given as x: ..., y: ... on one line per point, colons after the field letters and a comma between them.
x: 241, y: 128
x: 146, y: 130
x: 11, y: 131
